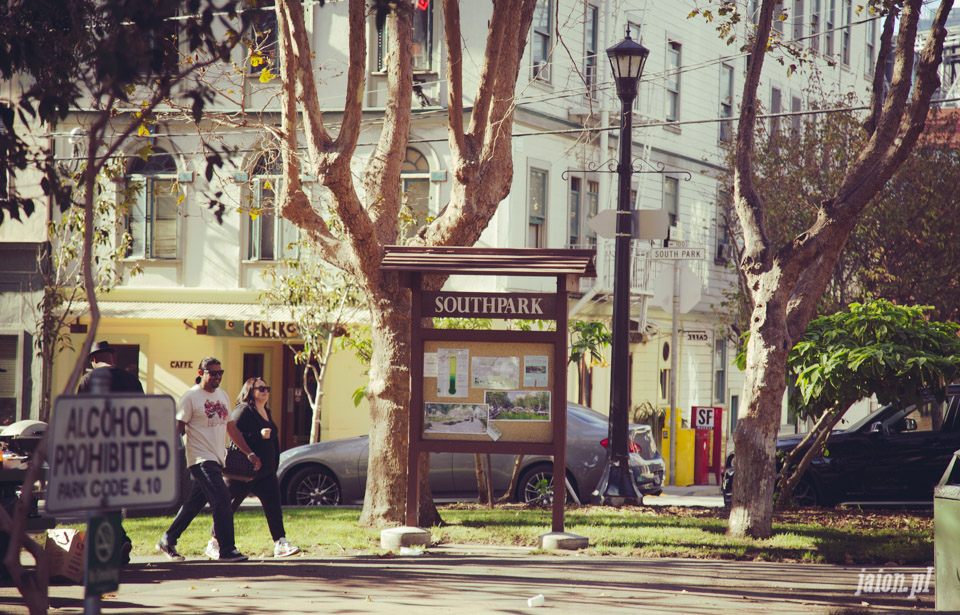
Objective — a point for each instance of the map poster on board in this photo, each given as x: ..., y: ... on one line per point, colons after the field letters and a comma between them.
x: 495, y: 372
x: 453, y: 365
x: 535, y: 371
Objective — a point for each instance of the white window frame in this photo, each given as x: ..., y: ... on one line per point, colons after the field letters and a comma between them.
x: 591, y: 47
x: 423, y: 24
x: 143, y: 222
x: 537, y: 215
x: 776, y: 106
x: 798, y: 15
x: 796, y: 120
x: 726, y: 101
x: 671, y: 199
x: 847, y: 16
x: 829, y: 33
x: 541, y: 43
x: 413, y: 172
x: 814, y: 41
x: 871, y: 48
x: 674, y: 60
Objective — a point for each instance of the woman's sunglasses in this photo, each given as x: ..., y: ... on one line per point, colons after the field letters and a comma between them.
x: 263, y: 389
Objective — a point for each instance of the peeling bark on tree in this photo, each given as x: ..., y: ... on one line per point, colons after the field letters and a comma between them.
x: 785, y: 282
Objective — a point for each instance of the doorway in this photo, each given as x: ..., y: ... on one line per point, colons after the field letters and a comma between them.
x: 297, y: 415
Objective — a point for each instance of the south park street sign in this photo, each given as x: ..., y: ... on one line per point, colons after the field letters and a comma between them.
x: 663, y: 254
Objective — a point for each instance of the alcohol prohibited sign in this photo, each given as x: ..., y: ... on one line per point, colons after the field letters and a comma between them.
x: 109, y: 452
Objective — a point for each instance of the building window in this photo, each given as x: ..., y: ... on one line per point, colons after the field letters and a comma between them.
x: 591, y: 33
x: 828, y: 33
x: 574, y: 220
x: 270, y: 236
x: 754, y: 10
x: 593, y: 208
x: 673, y: 81
x: 724, y: 245
x: 671, y: 198
x: 634, y: 31
x: 664, y: 384
x: 153, y: 219
x: 537, y: 209
x: 8, y: 378
x: 542, y: 39
x: 726, y: 102
x: 779, y: 16
x: 796, y: 120
x: 871, y: 47
x: 264, y: 45
x: 422, y: 50
x: 415, y: 189
x: 156, y: 50
x: 776, y: 106
x: 720, y: 374
x: 814, y: 41
x: 797, y: 20
x: 734, y: 411
x: 847, y: 17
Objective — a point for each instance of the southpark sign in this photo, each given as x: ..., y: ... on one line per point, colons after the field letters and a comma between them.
x: 489, y: 305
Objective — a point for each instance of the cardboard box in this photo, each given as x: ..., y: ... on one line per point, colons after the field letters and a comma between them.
x: 65, y: 549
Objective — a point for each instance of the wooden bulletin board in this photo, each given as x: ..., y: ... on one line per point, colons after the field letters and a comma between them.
x: 503, y: 392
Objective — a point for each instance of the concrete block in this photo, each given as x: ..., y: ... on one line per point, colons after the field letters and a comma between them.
x: 557, y: 541
x: 395, y: 537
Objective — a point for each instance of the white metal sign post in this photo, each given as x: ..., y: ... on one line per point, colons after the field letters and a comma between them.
x: 112, y: 452
x: 108, y: 452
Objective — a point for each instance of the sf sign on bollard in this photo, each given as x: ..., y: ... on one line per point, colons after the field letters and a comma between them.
x: 112, y: 452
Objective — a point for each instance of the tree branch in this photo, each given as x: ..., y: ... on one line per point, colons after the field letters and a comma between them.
x: 451, y: 23
x: 886, y: 46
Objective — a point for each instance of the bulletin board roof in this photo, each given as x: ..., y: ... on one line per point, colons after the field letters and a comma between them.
x: 490, y: 261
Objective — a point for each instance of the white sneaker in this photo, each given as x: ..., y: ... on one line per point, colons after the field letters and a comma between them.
x: 213, y: 549
x: 282, y: 548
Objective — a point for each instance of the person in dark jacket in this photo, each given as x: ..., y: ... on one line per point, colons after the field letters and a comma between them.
x: 253, y: 419
x: 104, y: 361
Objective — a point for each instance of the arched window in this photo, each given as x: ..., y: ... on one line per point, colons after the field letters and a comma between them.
x: 415, y: 187
x: 153, y: 221
x: 269, y: 238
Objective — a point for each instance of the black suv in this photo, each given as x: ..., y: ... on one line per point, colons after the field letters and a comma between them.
x: 895, y: 455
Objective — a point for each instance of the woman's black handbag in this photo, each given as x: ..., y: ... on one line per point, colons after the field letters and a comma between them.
x: 237, y: 465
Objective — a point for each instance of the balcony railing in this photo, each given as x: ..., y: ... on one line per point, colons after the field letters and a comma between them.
x: 640, y: 269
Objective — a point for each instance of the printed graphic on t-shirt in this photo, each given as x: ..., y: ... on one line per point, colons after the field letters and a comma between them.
x: 216, y: 412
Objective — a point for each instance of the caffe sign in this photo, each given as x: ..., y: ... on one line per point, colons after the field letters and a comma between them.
x: 489, y: 305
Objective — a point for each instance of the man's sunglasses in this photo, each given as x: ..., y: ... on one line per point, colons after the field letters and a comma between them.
x: 214, y: 372
x: 262, y: 389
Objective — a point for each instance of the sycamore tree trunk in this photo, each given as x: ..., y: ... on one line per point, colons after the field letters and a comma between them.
x: 367, y: 207
x: 785, y: 282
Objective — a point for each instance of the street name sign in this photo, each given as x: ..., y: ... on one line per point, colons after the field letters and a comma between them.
x: 644, y: 223
x: 663, y: 254
x: 112, y: 451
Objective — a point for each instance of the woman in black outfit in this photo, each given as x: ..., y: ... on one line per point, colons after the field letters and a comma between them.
x: 253, y: 419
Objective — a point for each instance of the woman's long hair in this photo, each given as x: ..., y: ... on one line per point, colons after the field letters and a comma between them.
x: 246, y: 391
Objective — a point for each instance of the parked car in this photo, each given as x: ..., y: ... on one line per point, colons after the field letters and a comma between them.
x: 894, y: 455
x: 335, y: 472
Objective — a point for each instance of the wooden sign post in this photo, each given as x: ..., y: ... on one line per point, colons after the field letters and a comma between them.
x: 489, y: 391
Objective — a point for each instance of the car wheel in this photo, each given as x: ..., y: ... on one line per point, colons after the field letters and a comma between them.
x: 805, y: 494
x: 536, y: 485
x: 313, y: 486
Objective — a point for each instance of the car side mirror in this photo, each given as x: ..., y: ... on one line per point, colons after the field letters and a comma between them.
x: 909, y: 425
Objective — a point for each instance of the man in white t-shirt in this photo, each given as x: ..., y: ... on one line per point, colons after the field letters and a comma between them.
x: 203, y: 418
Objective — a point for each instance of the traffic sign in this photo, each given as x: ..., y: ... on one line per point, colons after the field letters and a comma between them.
x: 663, y: 254
x: 104, y: 535
x: 109, y: 452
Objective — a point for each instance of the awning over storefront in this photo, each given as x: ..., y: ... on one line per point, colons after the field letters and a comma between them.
x: 160, y: 310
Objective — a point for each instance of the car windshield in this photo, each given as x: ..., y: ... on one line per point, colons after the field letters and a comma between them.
x: 870, y: 418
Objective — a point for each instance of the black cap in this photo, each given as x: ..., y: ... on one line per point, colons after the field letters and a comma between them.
x: 100, y: 347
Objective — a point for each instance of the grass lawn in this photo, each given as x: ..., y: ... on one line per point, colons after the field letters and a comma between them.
x: 807, y: 535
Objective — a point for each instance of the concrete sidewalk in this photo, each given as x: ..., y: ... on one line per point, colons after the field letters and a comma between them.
x: 466, y: 579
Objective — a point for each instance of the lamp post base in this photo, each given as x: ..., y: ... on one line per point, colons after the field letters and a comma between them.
x: 618, y: 487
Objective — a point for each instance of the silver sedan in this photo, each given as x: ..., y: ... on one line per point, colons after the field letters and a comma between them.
x: 335, y: 472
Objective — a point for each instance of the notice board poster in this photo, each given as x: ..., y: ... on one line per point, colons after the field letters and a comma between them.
x: 488, y: 391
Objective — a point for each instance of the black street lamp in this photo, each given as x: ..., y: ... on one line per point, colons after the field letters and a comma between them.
x: 617, y: 486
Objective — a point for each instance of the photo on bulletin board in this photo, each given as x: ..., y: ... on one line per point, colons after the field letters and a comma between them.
x: 455, y: 418
x: 518, y: 405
